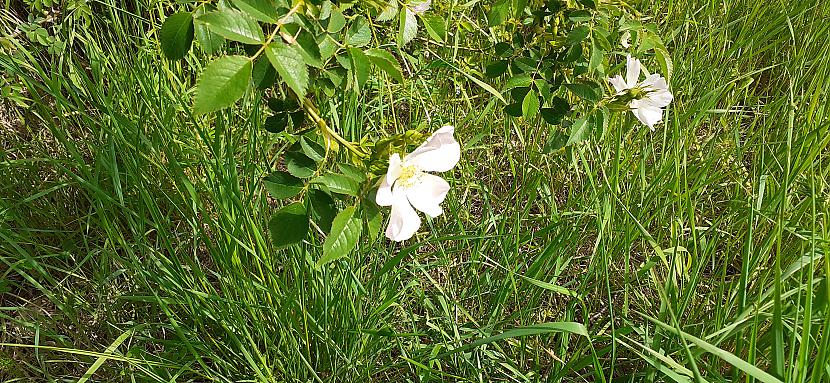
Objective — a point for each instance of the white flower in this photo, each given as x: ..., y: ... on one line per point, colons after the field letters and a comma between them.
x: 420, y: 7
x: 407, y: 183
x: 649, y: 96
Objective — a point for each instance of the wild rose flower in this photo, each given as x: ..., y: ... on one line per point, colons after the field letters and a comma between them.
x: 407, y: 185
x: 649, y: 96
x: 420, y: 7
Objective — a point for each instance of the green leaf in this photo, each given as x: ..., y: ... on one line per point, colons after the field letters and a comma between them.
x: 557, y: 140
x: 386, y: 62
x: 580, y: 16
x: 338, y: 183
x: 580, y: 130
x: 518, y: 81
x: 276, y: 123
x: 530, y: 105
x: 322, y: 208
x: 282, y: 185
x: 290, y: 65
x: 576, y: 35
x: 408, y: 27
x: 299, y: 165
x: 436, y: 27
x: 289, y: 225
x: 359, y: 33
x: 360, y: 66
x: 514, y: 109
x: 312, y: 149
x: 388, y: 12
x: 233, y: 25
x: 664, y: 61
x: 336, y: 21
x: 353, y: 172
x: 263, y: 74
x: 498, y: 13
x: 176, y: 35
x: 309, y: 49
x: 262, y: 10
x: 496, y: 69
x: 209, y: 41
x: 222, y: 83
x: 374, y: 220
x: 345, y: 231
x: 585, y: 90
x: 553, y: 115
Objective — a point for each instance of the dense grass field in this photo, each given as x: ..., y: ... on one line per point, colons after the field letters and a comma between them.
x: 134, y: 241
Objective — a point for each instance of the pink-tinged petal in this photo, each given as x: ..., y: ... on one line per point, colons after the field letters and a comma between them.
x: 384, y: 194
x: 420, y: 7
x: 404, y: 221
x: 618, y: 83
x: 428, y: 193
x: 632, y: 71
x: 439, y: 153
x: 394, y: 170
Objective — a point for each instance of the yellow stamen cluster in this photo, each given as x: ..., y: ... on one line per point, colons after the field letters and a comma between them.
x: 409, y: 174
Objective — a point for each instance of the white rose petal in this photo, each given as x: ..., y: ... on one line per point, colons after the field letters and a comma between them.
x: 407, y: 185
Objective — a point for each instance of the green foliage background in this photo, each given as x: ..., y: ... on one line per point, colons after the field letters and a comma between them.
x: 134, y: 239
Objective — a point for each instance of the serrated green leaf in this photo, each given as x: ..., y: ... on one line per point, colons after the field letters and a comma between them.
x: 222, y: 83
x: 282, y: 185
x: 576, y: 35
x: 345, y: 231
x: 263, y: 74
x: 530, y: 105
x: 290, y: 65
x: 309, y: 49
x: 664, y: 61
x: 374, y: 220
x: 336, y: 21
x: 359, y: 33
x: 322, y: 208
x: 496, y: 69
x: 579, y: 16
x: 386, y: 62
x: 499, y: 13
x: 554, y: 114
x: 276, y: 123
x: 299, y: 165
x: 557, y: 140
x: 338, y: 183
x: 436, y: 27
x: 360, y: 66
x: 352, y: 172
x: 312, y: 149
x: 176, y: 35
x: 262, y: 10
x: 388, y: 12
x: 289, y: 225
x: 408, y: 27
x: 584, y: 90
x: 580, y: 131
x: 233, y: 25
x: 209, y: 41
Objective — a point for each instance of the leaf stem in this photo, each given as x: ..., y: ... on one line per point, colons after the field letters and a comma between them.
x: 327, y: 131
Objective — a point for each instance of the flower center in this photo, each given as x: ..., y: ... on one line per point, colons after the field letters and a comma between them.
x: 409, y: 175
x: 638, y: 92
